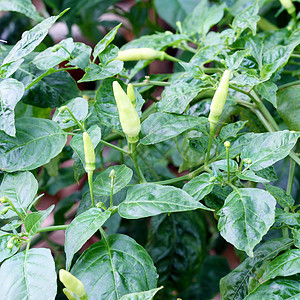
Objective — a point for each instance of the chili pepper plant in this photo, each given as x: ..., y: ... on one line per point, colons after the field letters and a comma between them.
x: 174, y: 169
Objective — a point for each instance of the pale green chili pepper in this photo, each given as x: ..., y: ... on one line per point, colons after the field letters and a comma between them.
x: 289, y: 6
x: 89, y: 153
x: 140, y: 53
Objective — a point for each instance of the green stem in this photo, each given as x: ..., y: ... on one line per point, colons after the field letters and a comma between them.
x: 211, y: 135
x: 53, y: 228
x: 211, y: 70
x: 291, y: 177
x: 172, y: 58
x: 148, y: 111
x: 112, y: 190
x: 227, y: 158
x: 135, y: 162
x: 114, y: 147
x: 288, y: 84
x: 14, y: 209
x: 90, y: 180
x: 151, y: 82
x: 74, y: 119
x: 295, y: 55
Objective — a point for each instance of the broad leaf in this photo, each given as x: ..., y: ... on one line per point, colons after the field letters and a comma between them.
x: 268, y: 91
x: 114, y: 267
x: 11, y: 92
x: 99, y: 72
x: 81, y: 229
x: 286, y: 264
x: 31, y: 39
x: 102, y: 183
x: 149, y: 199
x: 235, y: 285
x: 250, y: 175
x: 246, y: 217
x: 161, y: 126
x: 289, y: 106
x: 36, y: 142
x: 77, y: 141
x: 177, y: 245
x: 267, y: 148
x: 296, y: 236
x: 281, y: 196
x: 4, y: 251
x: 28, y: 275
x: 105, y: 41
x: 20, y: 189
x: 81, y: 54
x: 199, y: 186
x: 79, y: 108
x: 34, y: 220
x: 148, y: 295
x: 22, y: 6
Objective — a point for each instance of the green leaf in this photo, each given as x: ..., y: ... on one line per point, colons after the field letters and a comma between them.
x: 4, y: 251
x: 20, y: 189
x: 246, y: 217
x: 286, y: 264
x: 174, y: 11
x: 22, y: 6
x: 114, y: 267
x: 281, y: 196
x: 148, y: 295
x: 81, y: 54
x: 199, y: 186
x: 268, y: 91
x: 231, y: 130
x: 34, y: 220
x: 250, y: 175
x: 102, y: 182
x: 28, y: 275
x: 287, y: 218
x: 203, y: 17
x: 99, y: 72
x: 161, y: 126
x: 48, y: 59
x: 289, y: 106
x: 36, y: 142
x: 31, y: 39
x: 234, y: 61
x: 283, y: 288
x: 268, y: 173
x: 235, y: 285
x: 77, y: 141
x: 81, y: 229
x: 79, y: 108
x: 179, y: 94
x: 101, y: 45
x: 11, y: 92
x: 267, y: 148
x: 149, y: 199
x: 177, y: 245
x: 296, y: 236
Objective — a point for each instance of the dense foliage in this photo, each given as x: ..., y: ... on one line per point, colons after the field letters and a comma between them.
x: 167, y: 181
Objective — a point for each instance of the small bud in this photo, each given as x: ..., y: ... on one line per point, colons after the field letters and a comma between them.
x: 11, y: 243
x: 5, y: 210
x: 72, y: 283
x: 69, y: 294
x: 62, y: 109
x: 67, y: 120
x: 4, y: 200
x: 212, y: 179
x: 130, y: 94
x: 112, y: 173
x: 247, y: 161
x: 101, y: 205
x: 227, y: 144
x: 56, y: 48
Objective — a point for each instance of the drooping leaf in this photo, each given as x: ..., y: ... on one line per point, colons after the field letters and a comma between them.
x: 177, y: 246
x: 28, y: 275
x: 161, y: 126
x: 36, y: 142
x: 199, y: 186
x: 11, y: 92
x: 81, y: 54
x: 246, y: 217
x: 267, y: 148
x: 22, y: 6
x: 34, y: 220
x: 286, y: 264
x: 102, y: 183
x: 281, y: 196
x: 235, y: 285
x: 114, y: 267
x: 149, y: 199
x: 20, y: 189
x: 81, y: 229
x: 79, y: 108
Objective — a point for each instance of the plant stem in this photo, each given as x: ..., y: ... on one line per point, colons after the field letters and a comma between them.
x: 112, y: 190
x: 291, y: 177
x: 135, y: 162
x: 90, y: 180
x: 295, y: 55
x: 53, y: 228
x: 114, y: 147
x: 75, y: 120
x: 288, y: 84
x: 151, y: 82
x: 148, y: 111
x: 172, y: 58
x: 211, y: 135
x: 227, y: 158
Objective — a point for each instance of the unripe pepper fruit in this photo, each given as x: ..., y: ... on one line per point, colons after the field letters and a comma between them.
x: 89, y: 152
x: 140, y: 53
